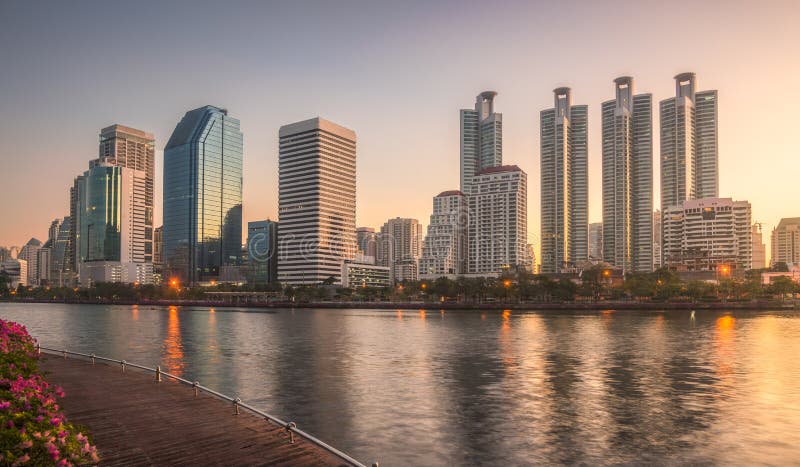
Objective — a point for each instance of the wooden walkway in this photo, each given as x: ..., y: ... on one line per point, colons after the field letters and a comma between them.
x: 135, y: 421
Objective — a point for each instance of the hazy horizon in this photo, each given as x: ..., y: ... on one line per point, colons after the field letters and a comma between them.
x: 397, y: 77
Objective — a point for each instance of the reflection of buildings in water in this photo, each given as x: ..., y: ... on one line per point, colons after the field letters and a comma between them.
x: 477, y: 392
x: 173, y: 348
x: 562, y: 402
x: 422, y: 315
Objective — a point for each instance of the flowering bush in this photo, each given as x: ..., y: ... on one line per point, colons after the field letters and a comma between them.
x: 33, y: 431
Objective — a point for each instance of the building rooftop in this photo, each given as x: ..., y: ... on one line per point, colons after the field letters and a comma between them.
x: 499, y: 169
x: 191, y: 124
x: 314, y: 124
x: 116, y: 128
x: 789, y: 221
x: 450, y: 193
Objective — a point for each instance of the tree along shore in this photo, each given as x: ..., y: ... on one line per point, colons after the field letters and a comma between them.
x: 594, y: 288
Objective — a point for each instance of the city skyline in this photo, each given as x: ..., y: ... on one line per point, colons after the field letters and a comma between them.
x: 387, y: 148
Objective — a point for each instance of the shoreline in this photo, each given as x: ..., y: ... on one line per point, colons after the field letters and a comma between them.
x: 563, y: 306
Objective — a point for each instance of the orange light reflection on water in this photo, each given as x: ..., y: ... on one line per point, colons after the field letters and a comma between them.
x: 173, y: 348
x: 725, y: 333
x: 506, y: 346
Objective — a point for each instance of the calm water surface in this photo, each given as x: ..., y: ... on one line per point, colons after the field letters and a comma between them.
x: 468, y: 388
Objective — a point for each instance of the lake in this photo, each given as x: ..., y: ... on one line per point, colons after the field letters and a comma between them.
x: 427, y: 387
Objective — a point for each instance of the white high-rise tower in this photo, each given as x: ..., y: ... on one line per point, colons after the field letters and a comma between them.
x: 481, y: 138
x: 316, y: 201
x: 564, y: 184
x: 689, y: 146
x: 628, y: 178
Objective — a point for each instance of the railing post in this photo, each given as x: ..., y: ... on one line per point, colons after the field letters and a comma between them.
x: 65, y: 354
x: 158, y: 374
x: 123, y: 366
x: 289, y: 427
x: 236, y: 403
x: 93, y: 359
x: 195, y: 386
x: 38, y: 350
x: 375, y: 464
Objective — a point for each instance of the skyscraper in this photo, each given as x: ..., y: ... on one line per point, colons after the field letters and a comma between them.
x: 689, y: 148
x: 399, y: 247
x: 71, y: 259
x: 628, y: 179
x: 498, y: 220
x: 203, y: 195
x: 111, y: 224
x: 564, y: 183
x: 444, y: 250
x: 134, y: 149
x: 481, y: 138
x: 316, y: 201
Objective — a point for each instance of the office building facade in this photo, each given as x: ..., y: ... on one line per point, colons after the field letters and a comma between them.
x: 112, y: 227
x: 202, y: 227
x: 628, y: 179
x: 262, y: 252
x: 564, y: 184
x: 316, y: 201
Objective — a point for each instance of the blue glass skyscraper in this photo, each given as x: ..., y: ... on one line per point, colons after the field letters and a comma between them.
x: 203, y: 196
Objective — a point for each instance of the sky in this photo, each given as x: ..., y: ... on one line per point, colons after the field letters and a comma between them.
x: 396, y: 75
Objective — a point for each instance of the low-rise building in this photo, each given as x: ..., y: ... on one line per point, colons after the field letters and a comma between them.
x: 93, y: 272
x: 16, y: 270
x: 704, y: 234
x: 356, y: 274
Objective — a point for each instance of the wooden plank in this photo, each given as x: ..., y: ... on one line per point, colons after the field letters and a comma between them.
x: 135, y: 421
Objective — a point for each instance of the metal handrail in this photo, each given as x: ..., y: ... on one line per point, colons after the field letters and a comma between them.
x: 290, y: 427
